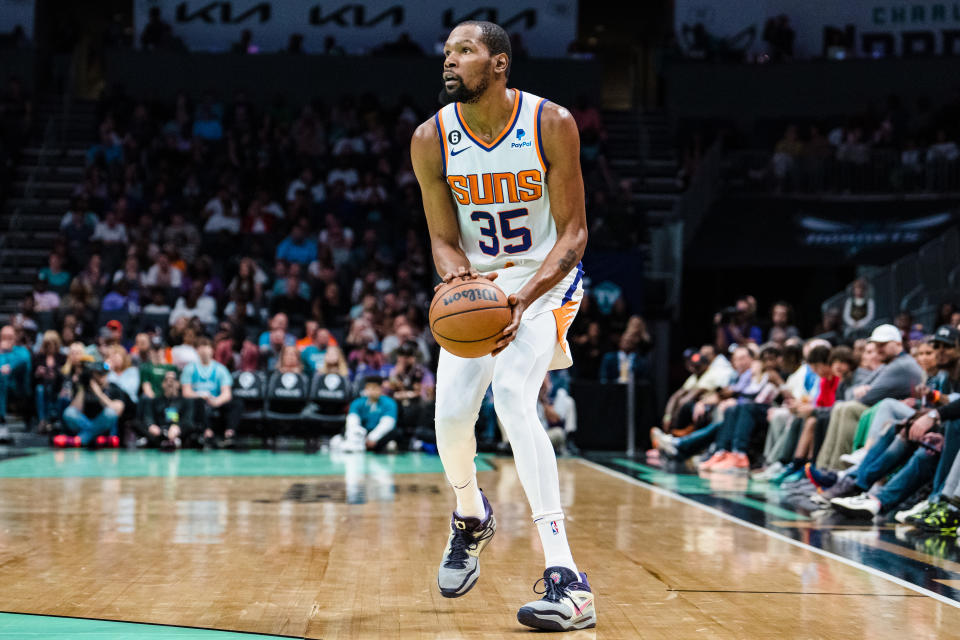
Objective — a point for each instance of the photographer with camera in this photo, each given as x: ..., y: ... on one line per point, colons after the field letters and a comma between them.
x: 95, y: 409
x: 735, y: 326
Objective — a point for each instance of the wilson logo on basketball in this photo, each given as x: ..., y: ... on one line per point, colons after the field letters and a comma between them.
x: 472, y: 295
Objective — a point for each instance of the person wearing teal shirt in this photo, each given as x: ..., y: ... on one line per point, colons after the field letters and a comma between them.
x: 376, y: 414
x: 14, y: 368
x: 210, y: 386
x: 313, y: 354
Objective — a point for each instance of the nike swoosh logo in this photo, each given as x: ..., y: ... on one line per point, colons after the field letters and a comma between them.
x: 455, y: 152
x: 580, y: 609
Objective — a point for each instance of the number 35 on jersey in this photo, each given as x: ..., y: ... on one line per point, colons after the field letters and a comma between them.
x: 499, y: 187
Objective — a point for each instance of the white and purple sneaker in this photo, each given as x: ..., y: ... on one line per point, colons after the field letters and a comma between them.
x: 567, y: 603
x: 460, y: 566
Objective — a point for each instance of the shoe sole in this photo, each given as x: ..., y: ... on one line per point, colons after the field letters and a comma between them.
x: 464, y: 588
x: 553, y: 622
x: 857, y: 513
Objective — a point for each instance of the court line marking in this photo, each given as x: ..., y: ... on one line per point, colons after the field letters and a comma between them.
x: 773, y: 534
x: 150, y: 624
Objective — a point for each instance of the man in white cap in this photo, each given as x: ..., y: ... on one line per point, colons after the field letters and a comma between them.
x: 896, y: 379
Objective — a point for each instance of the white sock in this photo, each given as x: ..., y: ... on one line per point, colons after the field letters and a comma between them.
x: 556, y: 551
x: 469, y: 501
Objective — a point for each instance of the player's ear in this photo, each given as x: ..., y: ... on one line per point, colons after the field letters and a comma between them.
x: 500, y: 63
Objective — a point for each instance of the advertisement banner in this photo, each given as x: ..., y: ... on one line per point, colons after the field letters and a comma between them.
x: 868, y: 28
x: 546, y: 27
x: 14, y: 13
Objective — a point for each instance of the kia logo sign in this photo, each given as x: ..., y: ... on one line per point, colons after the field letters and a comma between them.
x: 289, y: 380
x: 247, y: 379
x: 332, y: 381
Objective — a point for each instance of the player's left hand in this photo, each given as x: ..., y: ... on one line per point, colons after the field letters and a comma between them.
x: 518, y: 306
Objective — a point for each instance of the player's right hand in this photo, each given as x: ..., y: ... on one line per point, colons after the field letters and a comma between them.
x: 464, y: 274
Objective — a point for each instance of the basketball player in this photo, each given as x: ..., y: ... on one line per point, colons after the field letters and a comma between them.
x: 499, y: 170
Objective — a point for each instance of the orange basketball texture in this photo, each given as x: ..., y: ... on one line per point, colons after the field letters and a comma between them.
x: 467, y: 318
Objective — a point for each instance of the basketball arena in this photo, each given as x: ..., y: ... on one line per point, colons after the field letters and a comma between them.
x: 469, y: 320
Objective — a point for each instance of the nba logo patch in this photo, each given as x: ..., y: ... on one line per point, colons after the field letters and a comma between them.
x: 554, y: 527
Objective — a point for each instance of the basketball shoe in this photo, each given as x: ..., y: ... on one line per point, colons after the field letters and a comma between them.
x: 460, y: 567
x: 567, y: 603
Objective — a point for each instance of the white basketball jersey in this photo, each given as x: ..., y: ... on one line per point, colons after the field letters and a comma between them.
x: 500, y: 187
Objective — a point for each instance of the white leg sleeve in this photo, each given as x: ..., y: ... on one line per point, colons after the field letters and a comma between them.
x: 461, y: 383
x: 518, y: 374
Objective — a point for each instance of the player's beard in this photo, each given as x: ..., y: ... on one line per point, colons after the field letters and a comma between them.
x: 464, y: 94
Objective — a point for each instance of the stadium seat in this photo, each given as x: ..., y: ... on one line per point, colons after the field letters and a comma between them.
x: 122, y: 316
x: 150, y: 320
x: 287, y: 397
x: 329, y: 397
x: 251, y: 388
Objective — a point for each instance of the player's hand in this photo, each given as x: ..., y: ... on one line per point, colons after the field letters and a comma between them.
x: 518, y: 306
x: 464, y: 274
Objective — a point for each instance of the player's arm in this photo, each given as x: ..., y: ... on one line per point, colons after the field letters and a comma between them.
x: 561, y: 144
x: 426, y: 155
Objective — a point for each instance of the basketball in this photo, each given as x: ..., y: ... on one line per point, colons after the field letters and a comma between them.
x: 468, y: 318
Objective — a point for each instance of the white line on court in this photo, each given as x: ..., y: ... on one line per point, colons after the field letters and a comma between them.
x: 772, y: 534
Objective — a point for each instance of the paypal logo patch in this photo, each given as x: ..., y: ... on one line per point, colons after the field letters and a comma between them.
x: 519, y: 144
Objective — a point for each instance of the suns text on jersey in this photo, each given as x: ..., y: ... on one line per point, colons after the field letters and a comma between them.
x: 497, y: 188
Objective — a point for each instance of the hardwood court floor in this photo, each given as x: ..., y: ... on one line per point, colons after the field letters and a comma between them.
x: 352, y: 551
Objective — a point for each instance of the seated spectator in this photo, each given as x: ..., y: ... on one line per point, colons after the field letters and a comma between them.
x: 709, y: 371
x: 209, y: 384
x: 184, y: 338
x: 43, y: 298
x: 56, y: 277
x: 221, y: 214
x: 412, y: 386
x: 781, y: 317
x: 617, y: 366
x: 558, y: 415
x: 313, y: 354
x: 249, y: 281
x: 334, y: 362
x: 306, y: 182
x: 289, y: 361
x: 785, y: 154
x: 122, y: 372
x: 94, y: 410
x: 163, y: 274
x: 48, y: 380
x: 859, y: 310
x: 184, y: 235
x: 157, y: 303
x: 896, y: 379
x: 943, y: 150
x: 111, y: 233
x: 735, y: 326
x: 15, y: 361
x: 588, y: 351
x: 168, y: 416
x: 290, y: 302
x: 297, y: 247
x: 153, y: 369
x: 130, y: 272
x: 374, y: 417
x: 120, y: 299
x: 257, y: 221
x: 195, y: 304
x: 206, y: 125
x: 279, y: 322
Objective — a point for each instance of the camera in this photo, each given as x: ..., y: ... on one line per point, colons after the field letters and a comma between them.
x: 88, y: 369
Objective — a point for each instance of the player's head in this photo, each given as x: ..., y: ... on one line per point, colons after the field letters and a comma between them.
x: 477, y: 56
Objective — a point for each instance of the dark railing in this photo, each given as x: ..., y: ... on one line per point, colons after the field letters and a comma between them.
x: 873, y: 171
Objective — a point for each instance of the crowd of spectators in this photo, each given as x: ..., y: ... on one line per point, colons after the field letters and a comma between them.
x: 862, y: 419
x: 893, y: 147
x: 207, y: 239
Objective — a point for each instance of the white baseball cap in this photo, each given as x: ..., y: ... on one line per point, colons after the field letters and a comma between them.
x: 886, y: 333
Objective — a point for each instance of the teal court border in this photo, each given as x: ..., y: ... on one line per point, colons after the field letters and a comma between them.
x: 115, y: 463
x: 29, y: 626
